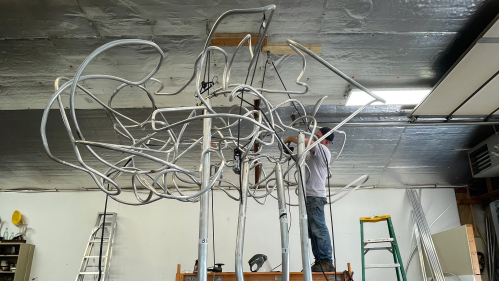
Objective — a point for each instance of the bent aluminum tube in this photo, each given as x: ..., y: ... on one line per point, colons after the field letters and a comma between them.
x: 365, y: 177
x: 149, y: 95
x: 305, y: 249
x: 204, y: 204
x: 241, y: 222
x: 239, y: 12
x: 200, y: 67
x: 246, y: 38
x: 65, y: 120
x: 97, y: 52
x: 212, y: 32
x: 171, y: 109
x: 118, y: 148
x: 295, y: 46
x: 194, y: 74
x: 292, y: 44
x: 337, y: 127
x: 146, y: 145
x: 72, y: 94
x: 204, y: 116
x: 283, y: 219
x: 254, y: 92
x: 316, y: 108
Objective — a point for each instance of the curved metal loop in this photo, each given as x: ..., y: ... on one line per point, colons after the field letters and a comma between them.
x: 165, y: 143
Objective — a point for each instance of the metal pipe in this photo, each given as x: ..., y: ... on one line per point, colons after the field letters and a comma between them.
x: 416, y: 206
x: 283, y: 219
x: 305, y: 251
x: 408, y: 124
x: 424, y: 229
x: 415, y: 247
x: 294, y: 45
x: 430, y: 249
x: 204, y: 203
x: 241, y: 222
x: 418, y: 244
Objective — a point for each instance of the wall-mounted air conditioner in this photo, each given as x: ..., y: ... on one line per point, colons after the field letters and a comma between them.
x: 484, y: 158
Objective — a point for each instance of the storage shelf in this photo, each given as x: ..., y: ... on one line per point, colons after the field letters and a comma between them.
x: 22, y: 257
x: 12, y: 242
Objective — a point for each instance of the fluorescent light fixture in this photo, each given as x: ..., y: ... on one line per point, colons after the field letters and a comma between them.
x: 392, y: 96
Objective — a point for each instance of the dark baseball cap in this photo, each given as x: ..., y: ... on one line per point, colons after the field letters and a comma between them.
x: 325, y: 130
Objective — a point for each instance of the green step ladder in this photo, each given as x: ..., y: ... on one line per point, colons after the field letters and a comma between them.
x: 393, y: 248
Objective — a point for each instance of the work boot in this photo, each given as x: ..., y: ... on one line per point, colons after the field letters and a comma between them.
x: 323, y: 265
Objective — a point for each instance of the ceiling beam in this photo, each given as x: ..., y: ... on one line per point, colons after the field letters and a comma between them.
x: 233, y: 39
x: 284, y: 49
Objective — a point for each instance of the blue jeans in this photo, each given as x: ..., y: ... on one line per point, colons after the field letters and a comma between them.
x: 317, y: 231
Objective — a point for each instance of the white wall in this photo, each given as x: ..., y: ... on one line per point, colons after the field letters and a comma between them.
x: 152, y: 239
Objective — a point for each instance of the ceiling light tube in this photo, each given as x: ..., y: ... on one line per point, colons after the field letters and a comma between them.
x: 392, y: 96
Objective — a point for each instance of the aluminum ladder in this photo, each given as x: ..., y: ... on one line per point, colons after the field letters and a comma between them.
x: 393, y: 248
x: 89, y: 269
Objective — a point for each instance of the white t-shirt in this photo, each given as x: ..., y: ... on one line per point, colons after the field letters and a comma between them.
x: 317, y: 172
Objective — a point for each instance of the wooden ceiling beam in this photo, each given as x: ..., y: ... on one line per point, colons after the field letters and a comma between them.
x: 233, y: 39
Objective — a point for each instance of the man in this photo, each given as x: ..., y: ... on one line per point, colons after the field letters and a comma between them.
x: 316, y: 199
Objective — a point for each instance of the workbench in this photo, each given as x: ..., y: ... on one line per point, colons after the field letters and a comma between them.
x: 261, y: 276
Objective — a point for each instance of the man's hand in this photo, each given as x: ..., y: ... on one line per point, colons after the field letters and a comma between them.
x: 289, y: 140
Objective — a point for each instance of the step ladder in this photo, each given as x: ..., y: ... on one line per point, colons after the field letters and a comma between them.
x: 89, y: 269
x: 379, y: 244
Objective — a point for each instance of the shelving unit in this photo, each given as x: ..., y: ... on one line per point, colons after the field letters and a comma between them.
x: 20, y: 254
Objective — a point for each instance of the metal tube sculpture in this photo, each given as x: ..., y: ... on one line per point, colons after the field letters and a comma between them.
x: 283, y: 218
x: 162, y: 182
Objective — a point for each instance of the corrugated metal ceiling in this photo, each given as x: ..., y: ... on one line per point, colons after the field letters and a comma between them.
x: 397, y: 44
x: 379, y: 43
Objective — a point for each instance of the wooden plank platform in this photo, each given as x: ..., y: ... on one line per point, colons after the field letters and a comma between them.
x: 261, y: 276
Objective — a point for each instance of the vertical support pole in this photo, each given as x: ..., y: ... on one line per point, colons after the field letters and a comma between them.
x: 241, y: 221
x: 362, y: 250
x: 305, y: 250
x: 283, y: 219
x: 204, y: 204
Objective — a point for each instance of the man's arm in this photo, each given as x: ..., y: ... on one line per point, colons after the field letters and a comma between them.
x: 294, y: 139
